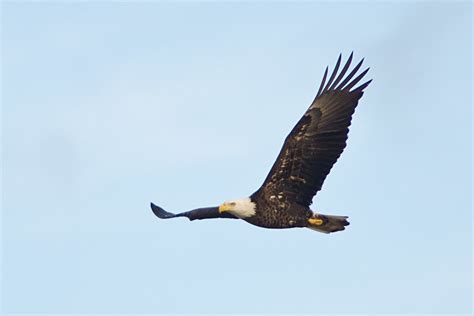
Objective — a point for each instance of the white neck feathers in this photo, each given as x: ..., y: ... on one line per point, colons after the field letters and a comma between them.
x: 242, y: 208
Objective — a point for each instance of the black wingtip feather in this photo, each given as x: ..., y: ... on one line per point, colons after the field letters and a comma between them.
x: 342, y: 81
x: 334, y: 73
x: 363, y: 86
x: 161, y: 213
x: 342, y: 73
x: 356, y: 80
x: 350, y: 75
x: 322, y: 82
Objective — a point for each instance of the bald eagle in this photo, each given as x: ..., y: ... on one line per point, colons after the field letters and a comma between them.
x: 307, y: 156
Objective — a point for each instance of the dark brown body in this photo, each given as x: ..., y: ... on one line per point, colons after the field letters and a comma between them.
x: 279, y: 214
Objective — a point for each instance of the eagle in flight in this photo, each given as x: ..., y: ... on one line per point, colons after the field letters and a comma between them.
x: 307, y: 156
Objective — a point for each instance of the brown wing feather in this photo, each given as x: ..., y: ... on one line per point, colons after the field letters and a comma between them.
x: 199, y: 213
x: 316, y: 142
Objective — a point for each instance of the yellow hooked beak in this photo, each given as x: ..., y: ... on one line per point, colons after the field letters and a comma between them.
x: 224, y: 208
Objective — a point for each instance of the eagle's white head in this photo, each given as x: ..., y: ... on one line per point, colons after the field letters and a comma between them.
x: 241, y: 208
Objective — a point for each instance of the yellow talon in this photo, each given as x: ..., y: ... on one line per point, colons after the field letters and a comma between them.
x: 315, y: 221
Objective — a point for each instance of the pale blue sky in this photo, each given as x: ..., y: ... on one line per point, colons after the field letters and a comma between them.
x: 108, y: 106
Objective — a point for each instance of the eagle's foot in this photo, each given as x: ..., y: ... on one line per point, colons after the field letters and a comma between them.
x: 315, y: 221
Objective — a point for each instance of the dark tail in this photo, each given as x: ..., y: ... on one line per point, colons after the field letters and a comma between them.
x: 327, y: 223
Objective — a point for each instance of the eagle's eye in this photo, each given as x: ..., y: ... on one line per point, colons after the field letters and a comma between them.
x: 232, y: 203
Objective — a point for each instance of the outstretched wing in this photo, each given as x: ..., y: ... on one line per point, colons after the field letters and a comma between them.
x: 317, y: 140
x: 199, y: 213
